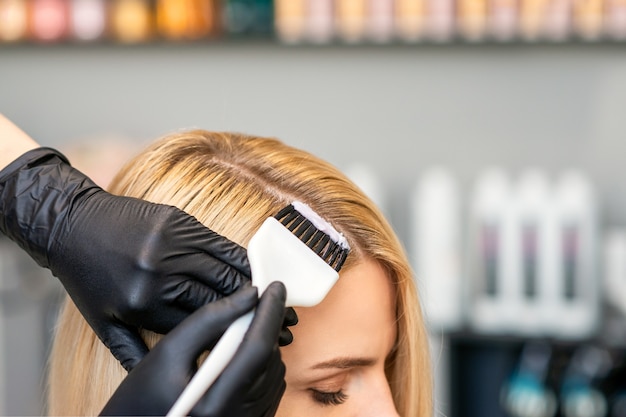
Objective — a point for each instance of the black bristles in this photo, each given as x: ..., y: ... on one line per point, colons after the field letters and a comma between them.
x: 306, y: 237
x: 322, y: 244
x: 284, y: 212
x: 293, y: 222
x: 302, y: 228
x: 312, y: 243
x: 334, y: 256
x: 341, y: 260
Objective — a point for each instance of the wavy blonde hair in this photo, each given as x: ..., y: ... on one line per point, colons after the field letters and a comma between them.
x: 231, y: 183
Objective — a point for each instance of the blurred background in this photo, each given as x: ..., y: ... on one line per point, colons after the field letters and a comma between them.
x: 490, y: 132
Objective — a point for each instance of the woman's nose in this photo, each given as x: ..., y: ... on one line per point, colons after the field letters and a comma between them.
x: 383, y: 408
x: 381, y: 402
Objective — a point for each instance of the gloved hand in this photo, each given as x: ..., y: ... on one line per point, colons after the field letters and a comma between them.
x: 251, y: 385
x: 125, y: 262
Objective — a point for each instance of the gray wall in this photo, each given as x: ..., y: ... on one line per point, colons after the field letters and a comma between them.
x: 398, y: 108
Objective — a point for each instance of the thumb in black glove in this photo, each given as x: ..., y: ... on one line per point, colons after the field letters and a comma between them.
x: 251, y: 385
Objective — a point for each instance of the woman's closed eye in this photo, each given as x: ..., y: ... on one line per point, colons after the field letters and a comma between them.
x: 329, y: 398
x: 329, y: 391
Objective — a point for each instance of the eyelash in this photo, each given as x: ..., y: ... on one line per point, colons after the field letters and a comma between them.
x: 329, y: 398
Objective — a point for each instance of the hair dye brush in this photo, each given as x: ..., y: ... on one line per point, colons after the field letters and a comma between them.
x: 296, y: 247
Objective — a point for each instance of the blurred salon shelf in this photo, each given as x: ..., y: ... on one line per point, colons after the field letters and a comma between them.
x: 270, y: 42
x: 314, y: 22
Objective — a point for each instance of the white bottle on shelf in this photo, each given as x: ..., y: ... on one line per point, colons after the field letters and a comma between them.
x: 532, y: 208
x: 615, y: 269
x: 574, y: 301
x: 550, y: 286
x: 489, y: 232
x: 435, y: 211
x: 614, y: 282
x: 380, y: 22
x: 319, y: 21
x: 290, y: 20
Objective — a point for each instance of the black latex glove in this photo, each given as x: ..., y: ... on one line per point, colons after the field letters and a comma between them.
x: 251, y: 385
x: 125, y: 262
x: 291, y: 319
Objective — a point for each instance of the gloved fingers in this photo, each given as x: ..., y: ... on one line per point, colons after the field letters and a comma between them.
x: 125, y: 344
x: 205, y: 326
x: 251, y: 359
x: 273, y: 376
x: 198, y: 236
x: 226, y: 251
x: 163, y: 320
x: 215, y: 273
x: 252, y: 393
x: 269, y: 316
x: 275, y: 400
x: 291, y: 319
x: 285, y: 337
x: 156, y: 382
x: 191, y: 295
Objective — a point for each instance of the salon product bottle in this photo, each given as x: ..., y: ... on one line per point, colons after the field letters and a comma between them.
x: 351, y: 19
x: 13, y: 20
x: 527, y: 391
x: 532, y: 19
x: 441, y: 20
x: 576, y: 300
x: 320, y: 22
x: 173, y: 19
x: 503, y: 19
x: 131, y: 21
x: 185, y: 19
x: 263, y: 18
x: 88, y: 19
x: 369, y: 182
x: 514, y: 236
x: 579, y: 393
x: 380, y: 20
x: 245, y: 17
x: 49, y: 20
x: 588, y: 19
x: 489, y: 233
x: 615, y: 269
x: 436, y: 236
x: 550, y: 288
x: 238, y: 16
x: 532, y: 204
x: 290, y: 20
x: 615, y: 19
x: 411, y: 19
x: 557, y: 20
x: 472, y: 19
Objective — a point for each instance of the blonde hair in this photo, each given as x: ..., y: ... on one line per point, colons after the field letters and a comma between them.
x: 231, y: 183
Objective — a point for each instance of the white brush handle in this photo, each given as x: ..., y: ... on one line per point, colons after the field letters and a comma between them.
x: 213, y: 366
x: 274, y: 252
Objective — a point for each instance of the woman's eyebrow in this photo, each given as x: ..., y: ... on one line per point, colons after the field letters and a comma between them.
x: 345, y: 363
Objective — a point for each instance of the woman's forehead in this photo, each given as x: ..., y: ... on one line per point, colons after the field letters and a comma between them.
x: 356, y: 320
